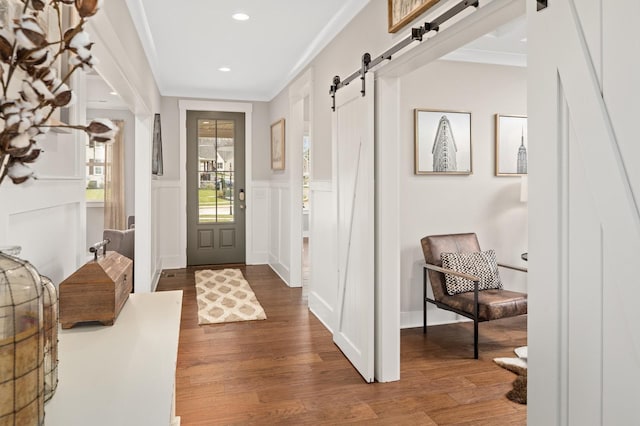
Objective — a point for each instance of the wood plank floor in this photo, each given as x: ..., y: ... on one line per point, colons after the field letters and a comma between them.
x: 286, y: 369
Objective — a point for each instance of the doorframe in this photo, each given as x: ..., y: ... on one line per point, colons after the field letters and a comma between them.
x: 120, y: 73
x: 185, y: 105
x: 298, y: 90
x: 388, y: 248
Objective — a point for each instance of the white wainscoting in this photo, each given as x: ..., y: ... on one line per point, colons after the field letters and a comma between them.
x: 279, y: 232
x: 258, y: 241
x: 166, y: 207
x: 435, y: 316
x: 323, y: 282
x: 167, y: 234
x: 44, y: 220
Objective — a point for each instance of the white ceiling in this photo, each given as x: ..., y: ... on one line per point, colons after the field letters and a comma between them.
x: 506, y: 45
x: 100, y: 95
x: 187, y: 41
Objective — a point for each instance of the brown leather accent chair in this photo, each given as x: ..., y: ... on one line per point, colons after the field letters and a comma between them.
x: 478, y: 305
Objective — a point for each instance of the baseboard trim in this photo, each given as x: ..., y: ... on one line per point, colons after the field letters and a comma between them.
x: 321, y: 310
x: 258, y: 259
x: 413, y: 319
x: 155, y: 280
x: 171, y: 262
x: 281, y: 271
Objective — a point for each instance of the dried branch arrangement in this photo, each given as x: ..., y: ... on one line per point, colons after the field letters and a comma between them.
x: 31, y: 88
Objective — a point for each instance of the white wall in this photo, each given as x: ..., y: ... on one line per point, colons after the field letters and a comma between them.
x: 95, y: 223
x: 481, y: 202
x: 123, y: 62
x: 280, y: 193
x: 43, y: 218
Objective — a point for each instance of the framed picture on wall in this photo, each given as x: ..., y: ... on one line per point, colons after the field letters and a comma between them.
x: 401, y: 12
x: 157, y: 166
x: 442, y: 142
x: 511, y: 145
x: 277, y: 145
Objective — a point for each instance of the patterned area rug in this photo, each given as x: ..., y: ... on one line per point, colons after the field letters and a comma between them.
x: 518, y: 366
x: 225, y: 296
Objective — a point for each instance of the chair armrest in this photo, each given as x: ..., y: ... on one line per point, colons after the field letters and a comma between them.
x: 452, y: 272
x: 515, y: 268
x: 121, y: 241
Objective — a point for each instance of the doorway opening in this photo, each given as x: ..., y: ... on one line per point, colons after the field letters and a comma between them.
x: 495, y: 98
x: 403, y: 212
x: 306, y: 199
x: 109, y: 169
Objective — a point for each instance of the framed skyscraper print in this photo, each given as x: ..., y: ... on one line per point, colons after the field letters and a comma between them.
x: 442, y: 142
x: 512, y: 144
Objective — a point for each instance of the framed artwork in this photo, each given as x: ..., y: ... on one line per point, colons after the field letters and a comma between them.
x: 511, y: 145
x: 401, y: 12
x: 442, y: 142
x: 156, y: 153
x: 277, y: 145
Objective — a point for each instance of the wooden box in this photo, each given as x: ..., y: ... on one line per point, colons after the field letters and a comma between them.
x: 97, y: 291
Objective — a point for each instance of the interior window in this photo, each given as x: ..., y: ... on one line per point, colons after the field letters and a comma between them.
x: 95, y: 157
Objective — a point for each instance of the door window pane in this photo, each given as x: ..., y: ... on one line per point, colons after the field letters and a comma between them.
x: 215, y: 171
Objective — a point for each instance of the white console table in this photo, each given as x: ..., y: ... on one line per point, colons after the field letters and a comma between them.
x: 122, y: 374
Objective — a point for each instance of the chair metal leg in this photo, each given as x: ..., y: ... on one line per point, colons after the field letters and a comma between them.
x: 475, y: 338
x: 475, y: 320
x: 424, y: 300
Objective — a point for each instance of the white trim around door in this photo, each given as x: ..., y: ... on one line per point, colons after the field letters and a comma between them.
x: 300, y: 89
x: 389, y: 214
x: 194, y: 105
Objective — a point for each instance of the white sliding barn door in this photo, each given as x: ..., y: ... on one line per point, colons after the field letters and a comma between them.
x: 353, y: 148
x: 584, y: 188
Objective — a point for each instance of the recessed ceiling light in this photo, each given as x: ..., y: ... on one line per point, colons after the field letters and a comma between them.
x: 240, y: 16
x: 113, y: 93
x: 224, y: 69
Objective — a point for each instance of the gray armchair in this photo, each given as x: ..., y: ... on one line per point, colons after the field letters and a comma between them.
x: 122, y: 242
x: 478, y: 305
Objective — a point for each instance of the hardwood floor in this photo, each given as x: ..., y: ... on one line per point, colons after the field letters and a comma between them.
x: 286, y: 369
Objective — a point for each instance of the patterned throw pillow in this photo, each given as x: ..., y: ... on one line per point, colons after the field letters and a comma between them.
x: 481, y: 264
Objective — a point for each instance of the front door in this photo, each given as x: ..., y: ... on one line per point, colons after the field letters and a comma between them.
x: 215, y: 188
